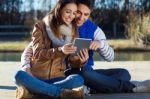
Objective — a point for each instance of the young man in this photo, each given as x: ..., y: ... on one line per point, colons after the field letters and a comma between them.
x: 106, y: 81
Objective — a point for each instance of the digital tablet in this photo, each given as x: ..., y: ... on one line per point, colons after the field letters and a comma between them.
x: 81, y: 43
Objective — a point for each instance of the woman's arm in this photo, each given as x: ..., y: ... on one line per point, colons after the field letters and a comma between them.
x: 41, y: 44
x: 27, y: 56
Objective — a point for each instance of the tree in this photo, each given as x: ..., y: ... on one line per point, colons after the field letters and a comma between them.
x: 9, y: 12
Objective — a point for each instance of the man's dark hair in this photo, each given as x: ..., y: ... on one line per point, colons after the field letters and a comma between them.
x: 88, y: 3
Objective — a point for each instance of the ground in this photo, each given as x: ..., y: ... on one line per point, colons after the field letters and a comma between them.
x: 138, y: 69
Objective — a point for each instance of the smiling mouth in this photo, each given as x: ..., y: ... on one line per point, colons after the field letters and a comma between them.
x: 79, y: 22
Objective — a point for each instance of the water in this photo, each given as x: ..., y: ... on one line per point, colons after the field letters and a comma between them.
x: 119, y: 56
x: 129, y: 56
x: 10, y: 56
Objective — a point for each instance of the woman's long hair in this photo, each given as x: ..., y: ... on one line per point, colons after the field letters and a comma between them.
x: 55, y: 19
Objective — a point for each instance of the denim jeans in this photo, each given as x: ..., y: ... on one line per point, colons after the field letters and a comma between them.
x: 51, y: 87
x: 105, y: 80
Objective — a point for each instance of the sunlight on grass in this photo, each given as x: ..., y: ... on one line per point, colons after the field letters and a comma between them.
x: 18, y: 45
x: 121, y: 43
x: 126, y: 44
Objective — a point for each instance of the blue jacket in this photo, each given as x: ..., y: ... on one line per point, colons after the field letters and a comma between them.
x: 87, y: 31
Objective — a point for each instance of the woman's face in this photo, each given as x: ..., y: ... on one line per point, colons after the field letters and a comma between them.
x: 68, y: 13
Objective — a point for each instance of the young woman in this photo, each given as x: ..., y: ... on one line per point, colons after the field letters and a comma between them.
x: 51, y: 44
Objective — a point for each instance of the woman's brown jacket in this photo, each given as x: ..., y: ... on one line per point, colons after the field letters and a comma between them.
x: 48, y: 62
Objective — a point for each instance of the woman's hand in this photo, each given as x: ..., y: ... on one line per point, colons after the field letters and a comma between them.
x: 83, y: 55
x: 68, y: 49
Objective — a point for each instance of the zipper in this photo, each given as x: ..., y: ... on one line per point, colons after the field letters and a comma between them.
x: 50, y: 69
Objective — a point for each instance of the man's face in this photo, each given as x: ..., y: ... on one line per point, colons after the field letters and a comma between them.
x: 83, y: 14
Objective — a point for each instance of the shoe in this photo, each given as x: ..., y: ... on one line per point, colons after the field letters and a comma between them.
x: 86, y: 90
x: 143, y: 86
x: 72, y: 94
x: 23, y: 93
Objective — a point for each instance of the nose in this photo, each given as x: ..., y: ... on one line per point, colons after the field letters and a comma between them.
x: 71, y: 16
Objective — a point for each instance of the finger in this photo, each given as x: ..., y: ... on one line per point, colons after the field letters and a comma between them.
x: 79, y: 57
x: 86, y: 54
x: 82, y: 54
x: 69, y: 44
x: 95, y: 46
x: 92, y: 46
x: 70, y: 52
x: 70, y: 49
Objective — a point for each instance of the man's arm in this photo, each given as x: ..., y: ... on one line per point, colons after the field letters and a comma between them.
x: 104, y: 50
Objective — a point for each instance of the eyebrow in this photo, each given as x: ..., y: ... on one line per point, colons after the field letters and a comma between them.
x: 86, y: 13
x: 70, y: 10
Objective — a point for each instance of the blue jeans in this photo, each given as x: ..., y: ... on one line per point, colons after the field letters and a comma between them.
x: 51, y: 87
x: 105, y: 80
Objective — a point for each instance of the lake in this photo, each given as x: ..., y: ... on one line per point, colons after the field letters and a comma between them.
x: 119, y: 56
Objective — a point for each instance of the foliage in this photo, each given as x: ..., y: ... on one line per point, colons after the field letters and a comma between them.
x: 118, y: 18
x: 9, y: 12
x: 131, y: 19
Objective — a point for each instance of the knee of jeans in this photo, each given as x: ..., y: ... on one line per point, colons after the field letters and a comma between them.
x: 17, y: 76
x: 77, y: 79
x: 125, y: 74
x: 86, y: 72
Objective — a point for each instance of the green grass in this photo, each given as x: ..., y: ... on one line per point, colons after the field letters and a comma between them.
x: 13, y: 46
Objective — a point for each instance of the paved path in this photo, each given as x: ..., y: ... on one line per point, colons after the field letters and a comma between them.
x: 138, y: 69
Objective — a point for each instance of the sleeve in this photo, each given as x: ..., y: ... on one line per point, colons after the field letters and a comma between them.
x: 40, y: 50
x: 105, y: 50
x: 26, y: 56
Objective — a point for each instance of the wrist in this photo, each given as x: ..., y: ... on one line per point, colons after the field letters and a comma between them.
x: 26, y: 68
x: 27, y: 65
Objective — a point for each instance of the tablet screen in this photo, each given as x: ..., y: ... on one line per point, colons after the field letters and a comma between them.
x: 81, y: 43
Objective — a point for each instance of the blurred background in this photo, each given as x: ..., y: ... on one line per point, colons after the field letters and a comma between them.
x: 126, y: 24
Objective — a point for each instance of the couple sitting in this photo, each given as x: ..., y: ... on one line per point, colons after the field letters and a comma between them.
x: 44, y: 60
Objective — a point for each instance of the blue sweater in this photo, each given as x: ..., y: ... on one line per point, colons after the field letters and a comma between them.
x: 87, y: 31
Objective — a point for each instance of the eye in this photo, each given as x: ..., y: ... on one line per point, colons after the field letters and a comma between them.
x: 86, y: 14
x: 78, y: 12
x: 68, y: 11
x: 74, y: 13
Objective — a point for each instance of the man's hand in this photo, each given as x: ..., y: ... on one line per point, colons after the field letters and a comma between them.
x: 68, y: 49
x: 83, y: 55
x: 95, y: 45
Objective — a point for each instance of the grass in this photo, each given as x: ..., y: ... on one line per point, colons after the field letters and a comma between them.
x: 127, y: 44
x: 121, y: 43
x: 13, y: 46
x: 116, y: 44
